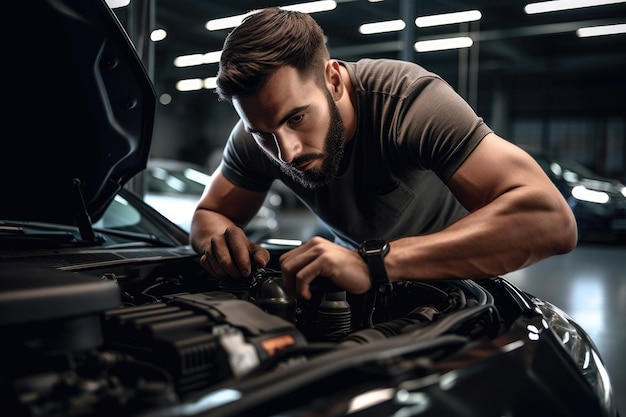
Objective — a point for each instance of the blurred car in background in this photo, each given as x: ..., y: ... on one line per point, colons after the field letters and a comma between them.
x: 173, y: 187
x: 598, y: 203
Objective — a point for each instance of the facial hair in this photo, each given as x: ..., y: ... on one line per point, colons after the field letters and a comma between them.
x: 334, y: 145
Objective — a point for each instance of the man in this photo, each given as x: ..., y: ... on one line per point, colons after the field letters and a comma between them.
x: 384, y: 152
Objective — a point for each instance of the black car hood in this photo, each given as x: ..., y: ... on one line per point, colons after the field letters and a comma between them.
x: 80, y: 111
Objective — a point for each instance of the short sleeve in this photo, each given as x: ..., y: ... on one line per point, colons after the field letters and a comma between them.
x: 440, y: 129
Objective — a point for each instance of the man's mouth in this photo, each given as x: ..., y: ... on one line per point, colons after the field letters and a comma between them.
x: 307, y: 162
x: 306, y: 165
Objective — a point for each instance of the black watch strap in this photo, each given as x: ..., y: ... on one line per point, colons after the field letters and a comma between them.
x: 373, y: 253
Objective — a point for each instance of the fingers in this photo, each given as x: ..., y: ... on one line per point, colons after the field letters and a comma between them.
x: 260, y: 256
x: 291, y: 264
x: 321, y: 258
x: 231, y: 254
x: 234, y: 257
x: 299, y: 283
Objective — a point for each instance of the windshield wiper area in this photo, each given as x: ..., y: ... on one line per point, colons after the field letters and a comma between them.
x: 142, y: 237
x: 25, y: 235
x: 18, y: 236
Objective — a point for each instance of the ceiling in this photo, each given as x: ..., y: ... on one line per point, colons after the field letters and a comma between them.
x: 538, y: 58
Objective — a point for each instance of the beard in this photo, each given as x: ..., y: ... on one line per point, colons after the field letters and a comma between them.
x: 334, y: 145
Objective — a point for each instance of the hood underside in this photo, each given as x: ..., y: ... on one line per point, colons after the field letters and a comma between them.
x: 82, y: 109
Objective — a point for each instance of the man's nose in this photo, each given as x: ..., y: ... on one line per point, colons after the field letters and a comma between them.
x: 288, y: 146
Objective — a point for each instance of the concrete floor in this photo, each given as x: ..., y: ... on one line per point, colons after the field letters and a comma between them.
x: 589, y: 284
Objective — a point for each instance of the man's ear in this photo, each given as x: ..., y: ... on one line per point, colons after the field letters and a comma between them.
x: 334, y: 83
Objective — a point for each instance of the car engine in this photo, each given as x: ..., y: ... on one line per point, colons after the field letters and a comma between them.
x: 138, y: 336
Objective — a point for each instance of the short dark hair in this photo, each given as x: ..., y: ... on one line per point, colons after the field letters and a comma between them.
x: 265, y: 41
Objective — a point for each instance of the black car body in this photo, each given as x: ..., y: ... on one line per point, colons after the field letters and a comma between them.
x: 105, y: 309
x: 598, y: 202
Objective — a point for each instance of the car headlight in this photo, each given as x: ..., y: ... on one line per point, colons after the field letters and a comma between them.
x: 580, y: 192
x: 582, y: 350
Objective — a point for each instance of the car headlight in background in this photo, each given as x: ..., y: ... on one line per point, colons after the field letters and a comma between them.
x: 582, y: 350
x: 580, y: 192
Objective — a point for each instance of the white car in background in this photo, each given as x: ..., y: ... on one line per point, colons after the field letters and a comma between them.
x: 173, y: 187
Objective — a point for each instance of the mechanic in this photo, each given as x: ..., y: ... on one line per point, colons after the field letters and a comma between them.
x: 411, y: 182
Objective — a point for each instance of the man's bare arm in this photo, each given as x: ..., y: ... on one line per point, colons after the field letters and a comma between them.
x: 217, y: 228
x: 517, y: 218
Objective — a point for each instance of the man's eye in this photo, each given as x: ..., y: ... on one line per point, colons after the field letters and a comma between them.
x: 296, y: 119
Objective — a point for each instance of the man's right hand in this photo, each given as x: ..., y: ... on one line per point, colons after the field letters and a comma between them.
x: 230, y: 255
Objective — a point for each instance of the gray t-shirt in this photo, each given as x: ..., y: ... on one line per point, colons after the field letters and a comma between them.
x: 413, y: 132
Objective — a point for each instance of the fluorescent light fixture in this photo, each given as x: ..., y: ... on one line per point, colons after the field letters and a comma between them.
x: 195, y: 84
x: 197, y: 59
x: 381, y: 27
x: 227, y: 22
x: 556, y: 5
x: 234, y: 21
x: 210, y: 83
x: 313, y: 6
x: 158, y: 35
x: 601, y: 30
x: 191, y: 84
x: 442, y: 44
x: 448, y: 18
x: 114, y: 4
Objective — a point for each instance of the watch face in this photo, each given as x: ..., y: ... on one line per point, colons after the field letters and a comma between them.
x: 376, y: 246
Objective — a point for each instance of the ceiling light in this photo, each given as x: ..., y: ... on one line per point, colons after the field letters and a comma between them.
x: 447, y: 18
x: 601, y: 30
x: 158, y: 35
x: 380, y: 27
x: 234, y: 21
x: 210, y: 83
x: 191, y: 84
x: 312, y: 7
x: 197, y: 59
x: 556, y: 5
x: 188, y: 60
x: 442, y: 44
x: 227, y: 22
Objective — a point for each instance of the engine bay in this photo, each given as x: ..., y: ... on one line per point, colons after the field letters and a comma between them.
x: 150, y: 334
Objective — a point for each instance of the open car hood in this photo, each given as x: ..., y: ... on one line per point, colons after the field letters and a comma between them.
x: 82, y: 109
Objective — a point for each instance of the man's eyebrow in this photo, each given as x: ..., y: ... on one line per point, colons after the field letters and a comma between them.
x: 293, y: 112
x: 289, y: 115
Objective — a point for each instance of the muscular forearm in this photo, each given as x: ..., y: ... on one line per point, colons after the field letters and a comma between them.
x: 518, y: 229
x: 206, y: 225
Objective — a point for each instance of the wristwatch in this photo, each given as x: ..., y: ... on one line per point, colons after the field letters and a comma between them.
x: 373, y: 253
